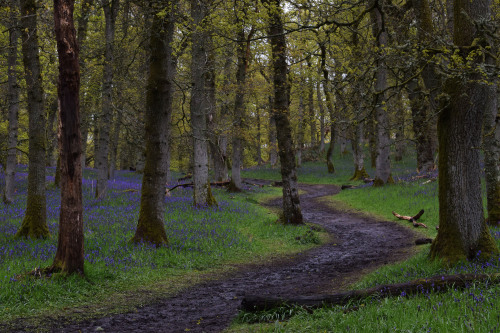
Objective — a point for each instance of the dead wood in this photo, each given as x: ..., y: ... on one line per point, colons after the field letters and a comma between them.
x: 412, y: 219
x: 347, y: 187
x: 168, y: 190
x: 438, y: 283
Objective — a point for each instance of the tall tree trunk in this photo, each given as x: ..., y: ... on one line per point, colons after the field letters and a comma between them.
x: 300, y: 131
x: 81, y: 35
x: 273, y: 145
x: 310, y: 106
x: 425, y: 158
x: 150, y: 227
x: 383, y: 161
x: 321, y: 117
x: 239, y: 112
x: 105, y: 119
x: 329, y: 106
x: 491, y: 143
x: 358, y: 153
x: 463, y: 232
x: 113, y: 153
x: 400, y: 128
x: 70, y: 252
x: 291, y: 203
x: 34, y: 223
x: 51, y: 135
x: 13, y: 103
x: 259, y: 137
x: 200, y: 107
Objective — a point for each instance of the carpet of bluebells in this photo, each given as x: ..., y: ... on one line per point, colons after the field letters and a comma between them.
x: 198, y: 238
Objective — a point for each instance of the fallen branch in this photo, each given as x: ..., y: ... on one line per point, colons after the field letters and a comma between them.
x: 168, y: 190
x: 347, y: 187
x: 436, y: 284
x: 412, y: 219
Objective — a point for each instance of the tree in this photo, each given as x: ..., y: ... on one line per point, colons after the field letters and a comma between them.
x: 291, y: 203
x: 150, y: 227
x: 35, y: 219
x: 463, y: 232
x: 110, y: 12
x: 13, y: 103
x: 69, y: 257
x: 200, y: 102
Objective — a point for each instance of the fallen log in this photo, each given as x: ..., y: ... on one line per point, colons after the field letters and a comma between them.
x: 168, y: 190
x: 347, y: 187
x: 439, y: 283
x: 412, y: 219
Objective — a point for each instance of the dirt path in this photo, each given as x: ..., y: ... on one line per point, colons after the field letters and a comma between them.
x: 360, y: 244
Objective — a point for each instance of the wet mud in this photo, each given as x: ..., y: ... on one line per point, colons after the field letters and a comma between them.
x: 359, y: 244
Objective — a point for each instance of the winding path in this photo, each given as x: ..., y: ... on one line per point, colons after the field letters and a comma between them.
x: 359, y: 245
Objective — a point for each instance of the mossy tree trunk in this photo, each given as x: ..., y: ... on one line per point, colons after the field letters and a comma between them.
x: 200, y: 101
x: 321, y: 117
x: 69, y: 257
x: 13, y: 103
x: 491, y: 143
x: 110, y: 8
x: 35, y: 220
x: 150, y: 227
x: 292, y: 213
x: 383, y: 160
x: 358, y: 154
x: 273, y: 145
x: 463, y: 232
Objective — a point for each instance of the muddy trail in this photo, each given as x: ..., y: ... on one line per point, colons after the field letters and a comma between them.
x: 359, y: 245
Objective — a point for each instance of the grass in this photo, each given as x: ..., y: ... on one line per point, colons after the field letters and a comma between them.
x: 476, y: 309
x: 204, y: 243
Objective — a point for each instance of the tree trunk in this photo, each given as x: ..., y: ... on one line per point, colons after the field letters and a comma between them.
x: 358, y: 153
x: 105, y: 119
x: 83, y: 23
x: 34, y: 223
x: 150, y: 227
x: 200, y: 106
x: 291, y: 203
x: 239, y: 112
x: 463, y: 232
x: 273, y: 145
x: 51, y: 150
x: 321, y: 118
x: 113, y: 153
x: 300, y: 130
x: 425, y: 158
x: 383, y: 161
x: 70, y: 252
x: 491, y: 142
x: 13, y: 104
x: 311, y: 113
x: 400, y: 128
x: 329, y: 106
x: 258, y: 137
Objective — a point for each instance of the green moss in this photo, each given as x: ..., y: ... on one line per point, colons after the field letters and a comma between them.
x: 359, y: 174
x: 486, y: 244
x: 210, y: 197
x: 231, y: 187
x: 331, y: 168
x: 34, y: 224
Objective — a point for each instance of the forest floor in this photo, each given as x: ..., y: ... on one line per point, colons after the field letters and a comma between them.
x: 359, y: 244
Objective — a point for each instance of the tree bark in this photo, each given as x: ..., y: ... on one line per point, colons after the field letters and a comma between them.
x: 463, y: 232
x: 435, y: 284
x: 383, y: 160
x: 70, y: 246
x: 291, y: 203
x: 150, y: 227
x: 13, y: 104
x: 321, y: 118
x: 34, y: 223
x: 329, y: 106
x: 105, y: 119
x: 300, y: 130
x: 273, y: 145
x: 200, y: 107
x: 81, y: 36
x: 423, y: 144
x: 239, y: 111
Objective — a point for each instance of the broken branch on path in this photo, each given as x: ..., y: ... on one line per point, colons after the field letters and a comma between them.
x: 168, y: 190
x: 438, y: 283
x: 412, y: 219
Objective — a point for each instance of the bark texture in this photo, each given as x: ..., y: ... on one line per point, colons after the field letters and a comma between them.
x: 150, y: 227
x: 110, y: 8
x: 383, y: 160
x: 291, y: 203
x: 69, y: 257
x: 200, y: 103
x: 34, y: 223
x: 13, y: 103
x: 463, y: 232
